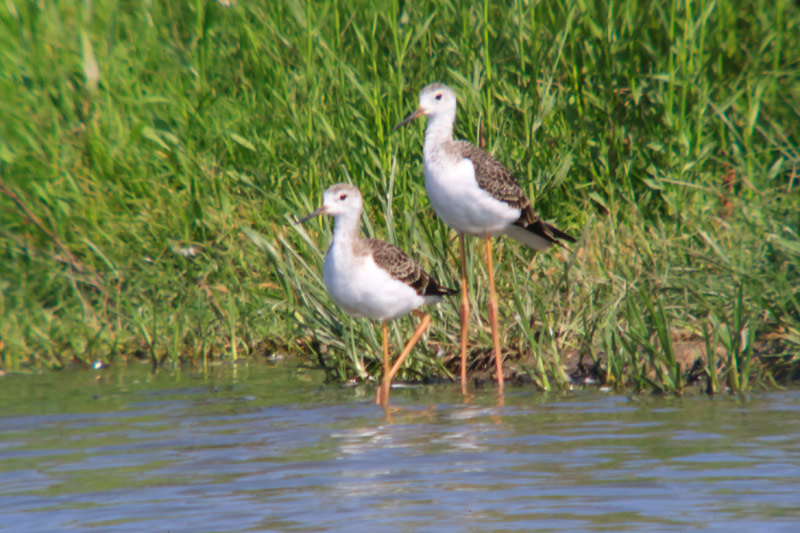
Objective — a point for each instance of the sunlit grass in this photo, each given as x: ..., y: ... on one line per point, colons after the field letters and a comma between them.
x: 154, y: 155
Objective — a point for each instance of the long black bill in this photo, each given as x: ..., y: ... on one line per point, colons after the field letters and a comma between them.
x: 318, y: 212
x: 416, y: 114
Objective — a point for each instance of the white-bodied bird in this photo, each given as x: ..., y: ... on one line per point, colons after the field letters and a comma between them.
x: 371, y: 278
x: 474, y: 194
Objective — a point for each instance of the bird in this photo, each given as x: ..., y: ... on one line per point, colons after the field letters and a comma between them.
x: 370, y: 278
x: 473, y: 193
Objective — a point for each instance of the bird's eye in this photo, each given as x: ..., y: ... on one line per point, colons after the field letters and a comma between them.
x: 343, y: 196
x: 439, y: 96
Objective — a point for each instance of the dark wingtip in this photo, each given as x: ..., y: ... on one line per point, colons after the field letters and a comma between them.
x: 549, y: 232
x: 434, y: 289
x: 558, y: 234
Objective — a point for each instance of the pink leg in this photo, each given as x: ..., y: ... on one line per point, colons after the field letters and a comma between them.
x: 493, y: 314
x: 386, y: 381
x: 464, y: 313
x: 423, y: 325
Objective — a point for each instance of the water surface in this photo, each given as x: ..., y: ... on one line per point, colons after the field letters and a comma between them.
x: 255, y: 447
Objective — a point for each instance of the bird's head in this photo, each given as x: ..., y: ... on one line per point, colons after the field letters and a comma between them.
x: 434, y: 100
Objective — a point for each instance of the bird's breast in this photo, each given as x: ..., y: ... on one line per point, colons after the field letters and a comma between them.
x: 461, y: 203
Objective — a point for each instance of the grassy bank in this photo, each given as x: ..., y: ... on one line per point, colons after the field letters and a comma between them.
x: 152, y: 156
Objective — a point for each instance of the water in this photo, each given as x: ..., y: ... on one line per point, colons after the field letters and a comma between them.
x: 256, y: 448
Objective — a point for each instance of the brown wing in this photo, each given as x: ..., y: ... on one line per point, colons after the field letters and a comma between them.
x: 498, y: 181
x: 401, y: 267
x: 493, y: 177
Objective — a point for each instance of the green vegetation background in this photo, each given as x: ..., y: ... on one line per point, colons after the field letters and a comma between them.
x: 154, y: 154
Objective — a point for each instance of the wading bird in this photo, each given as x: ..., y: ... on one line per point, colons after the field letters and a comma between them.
x: 474, y: 194
x: 373, y: 279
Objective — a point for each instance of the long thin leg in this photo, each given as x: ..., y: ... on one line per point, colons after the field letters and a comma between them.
x: 464, y: 313
x: 493, y: 314
x: 383, y: 390
x: 423, y: 325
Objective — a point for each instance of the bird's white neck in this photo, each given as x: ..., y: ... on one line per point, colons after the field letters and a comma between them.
x: 345, y: 229
x: 439, y: 131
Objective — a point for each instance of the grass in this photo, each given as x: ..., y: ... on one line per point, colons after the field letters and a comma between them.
x: 152, y: 156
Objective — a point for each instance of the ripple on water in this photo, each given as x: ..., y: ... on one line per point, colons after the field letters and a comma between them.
x: 255, y: 448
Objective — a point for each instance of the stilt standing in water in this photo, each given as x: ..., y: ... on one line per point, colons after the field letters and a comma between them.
x: 373, y: 279
x: 474, y: 194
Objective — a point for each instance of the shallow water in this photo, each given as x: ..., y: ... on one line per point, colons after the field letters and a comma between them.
x: 249, y: 448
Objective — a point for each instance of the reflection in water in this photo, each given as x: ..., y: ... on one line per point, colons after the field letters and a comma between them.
x: 253, y: 448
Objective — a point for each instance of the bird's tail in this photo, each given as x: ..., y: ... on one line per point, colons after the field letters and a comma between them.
x: 434, y: 289
x: 538, y: 235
